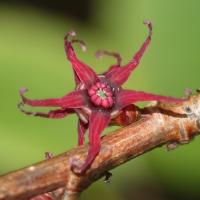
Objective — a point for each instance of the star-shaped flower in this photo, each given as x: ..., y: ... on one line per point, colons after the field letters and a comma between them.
x: 97, y: 98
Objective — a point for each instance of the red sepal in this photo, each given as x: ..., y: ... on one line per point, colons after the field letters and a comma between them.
x: 121, y: 75
x: 85, y: 74
x: 98, y: 121
x: 127, y: 97
x: 74, y: 99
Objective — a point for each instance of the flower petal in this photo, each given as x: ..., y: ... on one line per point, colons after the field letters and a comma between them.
x: 114, y: 67
x: 112, y: 70
x: 83, y: 47
x: 121, y: 75
x: 74, y: 99
x: 97, y: 123
x: 101, y: 53
x: 82, y: 127
x: 127, y: 97
x: 85, y: 74
x: 53, y: 114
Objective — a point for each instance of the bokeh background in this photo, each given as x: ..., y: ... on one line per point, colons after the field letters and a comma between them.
x: 32, y: 55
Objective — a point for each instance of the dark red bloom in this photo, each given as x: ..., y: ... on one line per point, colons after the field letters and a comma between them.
x: 97, y: 98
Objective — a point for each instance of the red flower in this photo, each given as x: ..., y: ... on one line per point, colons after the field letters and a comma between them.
x: 97, y: 98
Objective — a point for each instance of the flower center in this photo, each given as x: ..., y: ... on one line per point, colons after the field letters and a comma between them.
x: 101, y: 95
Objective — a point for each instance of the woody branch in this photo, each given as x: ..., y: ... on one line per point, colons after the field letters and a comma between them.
x: 159, y: 124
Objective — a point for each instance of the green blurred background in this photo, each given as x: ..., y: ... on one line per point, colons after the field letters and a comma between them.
x: 32, y: 55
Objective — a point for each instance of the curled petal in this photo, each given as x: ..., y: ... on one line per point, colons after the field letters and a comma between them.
x: 53, y: 114
x: 84, y: 73
x: 121, y: 75
x: 117, y: 56
x: 72, y: 100
x: 101, y: 53
x: 81, y: 43
x: 41, y: 103
x: 97, y: 123
x: 127, y: 97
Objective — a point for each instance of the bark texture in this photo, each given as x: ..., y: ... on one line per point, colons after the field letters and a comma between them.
x: 159, y: 124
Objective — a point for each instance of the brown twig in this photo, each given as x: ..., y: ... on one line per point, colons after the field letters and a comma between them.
x: 159, y: 124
